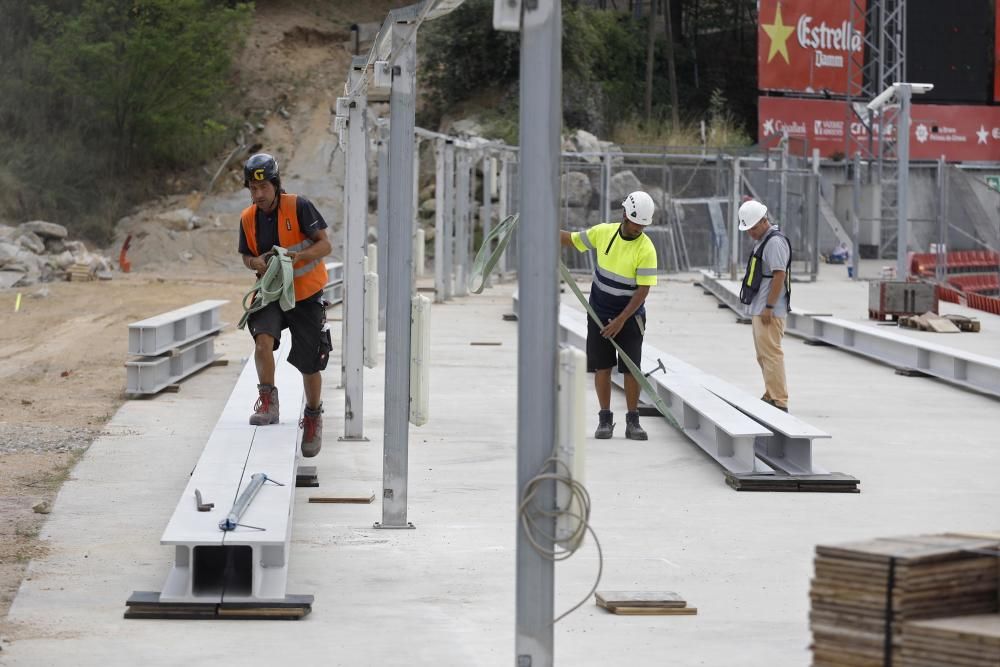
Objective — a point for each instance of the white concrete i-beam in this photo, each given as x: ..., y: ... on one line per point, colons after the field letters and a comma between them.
x: 965, y: 369
x: 250, y: 563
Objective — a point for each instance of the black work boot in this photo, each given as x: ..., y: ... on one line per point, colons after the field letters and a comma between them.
x: 312, y: 431
x: 265, y: 410
x: 632, y: 429
x: 605, y: 425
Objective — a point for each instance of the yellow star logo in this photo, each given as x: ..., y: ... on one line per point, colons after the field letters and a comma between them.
x: 779, y: 33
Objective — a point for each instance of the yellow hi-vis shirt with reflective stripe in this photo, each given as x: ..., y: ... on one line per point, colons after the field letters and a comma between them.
x: 620, y: 266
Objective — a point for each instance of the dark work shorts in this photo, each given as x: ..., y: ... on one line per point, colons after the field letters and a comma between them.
x: 310, y: 345
x: 601, y: 354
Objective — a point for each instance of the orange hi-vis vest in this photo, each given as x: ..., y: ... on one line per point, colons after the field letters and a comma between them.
x: 310, y: 277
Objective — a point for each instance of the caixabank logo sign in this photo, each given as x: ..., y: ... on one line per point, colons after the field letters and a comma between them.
x: 806, y: 45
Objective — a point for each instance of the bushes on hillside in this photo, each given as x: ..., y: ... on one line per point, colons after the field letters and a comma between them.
x: 100, y: 90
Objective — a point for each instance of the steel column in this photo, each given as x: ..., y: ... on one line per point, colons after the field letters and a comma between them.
x: 402, y: 105
x: 355, y: 247
x: 449, y: 218
x: 904, y: 93
x: 383, y: 218
x: 538, y: 253
x: 439, y: 221
x: 462, y: 221
x: 486, y: 214
x: 734, y: 211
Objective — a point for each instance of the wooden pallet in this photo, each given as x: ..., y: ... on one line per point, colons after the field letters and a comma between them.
x: 863, y: 594
x: 940, y: 323
x: 644, y: 603
x: 80, y: 273
x: 146, y: 604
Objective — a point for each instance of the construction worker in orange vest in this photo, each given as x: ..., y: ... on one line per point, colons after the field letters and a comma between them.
x: 276, y: 218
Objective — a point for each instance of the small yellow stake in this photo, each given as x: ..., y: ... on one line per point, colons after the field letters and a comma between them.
x: 17, y: 303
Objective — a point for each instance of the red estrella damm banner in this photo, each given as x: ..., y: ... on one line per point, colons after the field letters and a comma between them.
x: 959, y: 132
x: 805, y: 45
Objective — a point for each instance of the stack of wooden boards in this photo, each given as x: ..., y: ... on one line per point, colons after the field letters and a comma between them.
x: 644, y: 603
x: 968, y: 641
x: 940, y: 323
x: 867, y: 599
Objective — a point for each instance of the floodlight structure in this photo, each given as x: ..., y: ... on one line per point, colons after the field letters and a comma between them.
x: 870, y: 71
x: 899, y: 94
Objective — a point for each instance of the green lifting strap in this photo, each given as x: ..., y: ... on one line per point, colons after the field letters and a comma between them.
x: 487, y: 259
x: 277, y: 284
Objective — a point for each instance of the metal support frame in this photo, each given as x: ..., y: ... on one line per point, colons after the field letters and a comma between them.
x: 905, y: 94
x: 415, y: 223
x: 486, y: 212
x: 972, y: 371
x: 537, y: 356
x: 382, y: 160
x: 940, y: 263
x: 355, y: 247
x: 503, y: 206
x: 734, y: 215
x: 402, y: 106
x: 463, y: 221
x: 448, y: 256
x: 880, y: 63
x: 439, y: 199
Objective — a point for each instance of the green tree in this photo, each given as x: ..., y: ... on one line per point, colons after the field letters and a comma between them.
x: 100, y: 97
x: 145, y: 76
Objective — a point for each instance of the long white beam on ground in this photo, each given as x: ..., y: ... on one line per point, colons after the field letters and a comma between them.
x: 726, y: 434
x: 158, y: 334
x: 243, y: 565
x: 965, y: 369
x: 152, y: 374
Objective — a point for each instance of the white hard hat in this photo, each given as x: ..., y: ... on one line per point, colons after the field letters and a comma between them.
x: 639, y: 208
x: 751, y: 212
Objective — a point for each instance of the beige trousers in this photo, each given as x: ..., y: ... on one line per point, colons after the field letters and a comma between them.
x: 767, y: 343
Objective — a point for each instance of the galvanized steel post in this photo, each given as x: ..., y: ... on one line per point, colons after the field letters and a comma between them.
x: 355, y: 247
x: 538, y: 254
x: 402, y: 105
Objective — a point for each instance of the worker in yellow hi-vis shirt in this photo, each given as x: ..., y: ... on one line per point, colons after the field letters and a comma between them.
x: 624, y: 270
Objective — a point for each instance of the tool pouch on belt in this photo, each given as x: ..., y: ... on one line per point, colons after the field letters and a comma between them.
x: 325, y: 346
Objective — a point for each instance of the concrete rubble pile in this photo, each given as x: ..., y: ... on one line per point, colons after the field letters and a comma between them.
x: 39, y: 251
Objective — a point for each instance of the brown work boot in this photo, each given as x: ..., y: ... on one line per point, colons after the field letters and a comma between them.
x: 265, y: 410
x: 312, y: 431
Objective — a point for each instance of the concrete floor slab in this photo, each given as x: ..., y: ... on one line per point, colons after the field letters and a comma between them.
x: 927, y: 455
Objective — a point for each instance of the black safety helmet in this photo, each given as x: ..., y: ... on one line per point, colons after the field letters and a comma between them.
x: 261, y: 167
